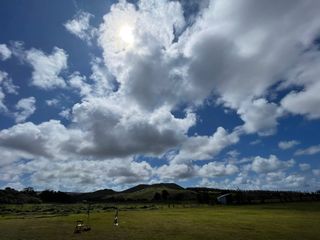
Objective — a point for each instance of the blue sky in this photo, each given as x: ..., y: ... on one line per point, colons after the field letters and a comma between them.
x: 110, y: 94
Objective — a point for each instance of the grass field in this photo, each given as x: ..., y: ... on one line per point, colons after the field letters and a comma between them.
x: 272, y: 221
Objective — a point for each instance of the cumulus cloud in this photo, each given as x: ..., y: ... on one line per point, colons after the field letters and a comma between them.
x: 304, y: 166
x: 304, y: 102
x: 2, y: 94
x: 5, y: 52
x: 80, y: 26
x: 295, y: 181
x: 65, y: 114
x: 132, y: 173
x: 308, y: 151
x: 260, y: 117
x: 74, y: 175
x: 224, y: 44
x: 265, y: 181
x: 265, y: 165
x: 287, y: 144
x: 148, y: 68
x: 214, y: 183
x: 79, y: 82
x: 99, y: 84
x: 274, y: 177
x: 216, y: 169
x: 304, y: 75
x: 25, y: 108
x: 175, y: 171
x: 47, y: 68
x: 103, y: 84
x: 52, y: 102
x: 116, y: 128
x: 316, y: 172
x: 205, y: 147
x: 101, y: 129
x: 207, y: 58
x: 36, y: 140
x: 6, y: 86
x: 8, y: 157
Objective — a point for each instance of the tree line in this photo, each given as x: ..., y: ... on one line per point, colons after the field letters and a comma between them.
x: 199, y: 195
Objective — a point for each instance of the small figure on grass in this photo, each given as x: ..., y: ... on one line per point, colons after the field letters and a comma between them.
x: 115, y: 221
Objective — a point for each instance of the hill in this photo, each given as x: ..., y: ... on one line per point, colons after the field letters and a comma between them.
x: 95, y: 196
x: 157, y: 185
x: 154, y: 192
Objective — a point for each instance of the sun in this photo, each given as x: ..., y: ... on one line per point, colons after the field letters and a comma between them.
x: 126, y: 35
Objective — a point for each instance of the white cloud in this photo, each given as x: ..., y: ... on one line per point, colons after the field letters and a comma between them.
x: 176, y: 171
x: 152, y: 22
x: 210, y: 183
x: 102, y: 84
x: 45, y: 139
x: 287, y: 144
x: 79, y: 82
x: 101, y: 129
x: 65, y: 113
x: 308, y: 151
x: 260, y: 116
x: 25, y: 108
x: 52, y: 102
x: 278, y: 180
x: 80, y: 26
x: 115, y: 127
x: 295, y: 181
x: 316, y: 172
x: 205, y: 147
x: 148, y: 70
x: 229, y: 55
x: 47, y: 68
x: 304, y: 102
x: 9, y: 156
x: 265, y: 165
x: 305, y: 75
x: 6, y: 86
x: 233, y: 154
x: 132, y: 173
x: 5, y: 52
x: 304, y: 166
x: 2, y: 95
x: 74, y: 175
x: 274, y: 177
x: 216, y: 169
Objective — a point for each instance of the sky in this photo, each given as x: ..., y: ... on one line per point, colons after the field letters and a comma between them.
x: 110, y: 94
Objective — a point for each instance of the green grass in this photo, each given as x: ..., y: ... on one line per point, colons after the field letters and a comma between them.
x: 272, y: 221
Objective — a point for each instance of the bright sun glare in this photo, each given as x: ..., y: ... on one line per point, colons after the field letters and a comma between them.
x: 126, y: 35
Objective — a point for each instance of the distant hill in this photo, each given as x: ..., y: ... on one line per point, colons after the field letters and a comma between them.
x: 95, y: 196
x: 142, y: 192
x: 155, y: 192
x: 157, y: 185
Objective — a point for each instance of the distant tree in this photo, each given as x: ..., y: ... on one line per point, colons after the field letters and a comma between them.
x: 179, y: 197
x: 30, y: 191
x: 157, y: 197
x: 165, y: 195
x: 58, y: 197
x: 10, y: 190
x: 203, y: 197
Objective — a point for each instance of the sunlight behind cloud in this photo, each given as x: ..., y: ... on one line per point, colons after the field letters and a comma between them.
x: 126, y: 35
